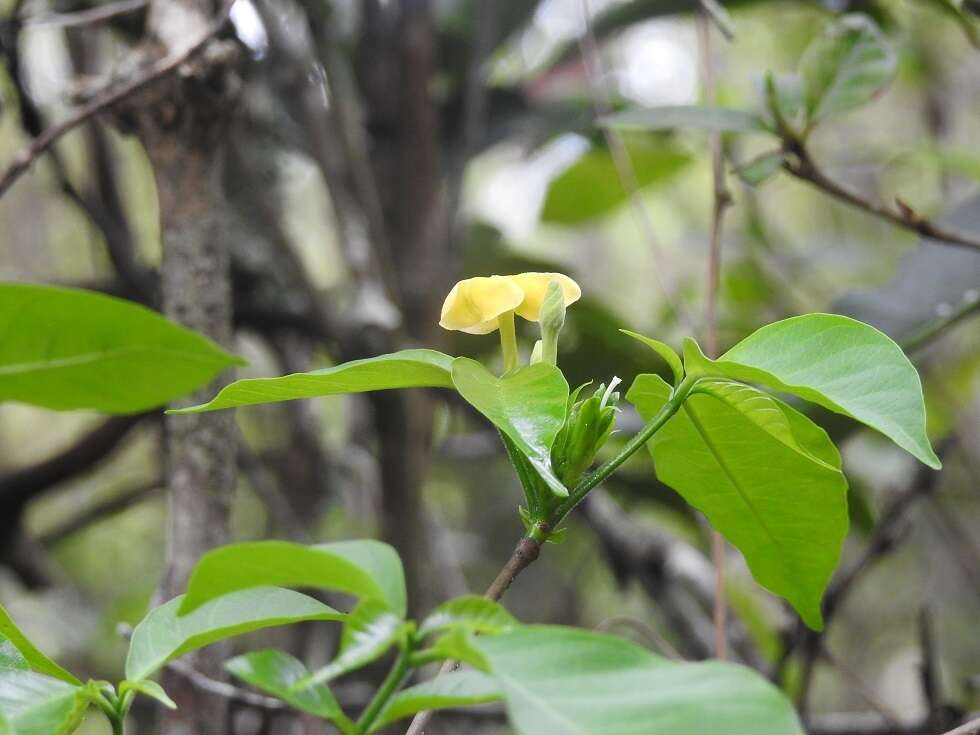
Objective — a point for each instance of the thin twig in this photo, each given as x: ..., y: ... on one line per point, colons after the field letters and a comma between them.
x: 592, y: 64
x: 970, y: 728
x: 803, y: 167
x: 100, y: 511
x: 722, y: 199
x: 524, y: 554
x: 88, y: 17
x: 223, y: 689
x: 109, y: 96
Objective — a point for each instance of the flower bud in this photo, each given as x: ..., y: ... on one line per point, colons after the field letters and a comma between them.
x: 589, y: 424
x: 552, y: 320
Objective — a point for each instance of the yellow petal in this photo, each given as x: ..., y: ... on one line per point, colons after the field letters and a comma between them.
x: 474, y: 304
x: 534, y: 286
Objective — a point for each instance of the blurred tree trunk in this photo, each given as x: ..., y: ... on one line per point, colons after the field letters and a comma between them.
x: 183, y: 124
x: 396, y: 73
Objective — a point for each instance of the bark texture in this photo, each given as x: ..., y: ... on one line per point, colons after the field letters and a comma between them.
x: 183, y: 125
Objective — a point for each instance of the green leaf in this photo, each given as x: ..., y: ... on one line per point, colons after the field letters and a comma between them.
x: 836, y: 362
x: 714, y: 119
x: 276, y: 672
x: 405, y: 369
x: 845, y: 67
x: 36, y: 660
x: 762, y: 168
x: 35, y: 704
x: 665, y: 351
x: 578, y: 682
x: 528, y: 406
x: 164, y: 634
x: 591, y: 186
x: 766, y: 477
x: 149, y: 689
x: 66, y: 349
x: 473, y: 613
x: 455, y: 689
x: 365, y: 568
x: 371, y: 629
x: 10, y: 658
x: 457, y: 645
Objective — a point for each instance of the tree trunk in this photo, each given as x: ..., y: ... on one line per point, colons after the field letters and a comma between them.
x: 183, y: 124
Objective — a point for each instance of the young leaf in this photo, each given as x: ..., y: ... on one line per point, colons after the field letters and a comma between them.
x: 473, y: 613
x: 36, y: 704
x: 405, y: 369
x: 371, y: 629
x: 455, y: 689
x: 147, y: 688
x: 578, y: 682
x: 766, y: 477
x: 276, y: 672
x: 35, y: 660
x: 836, y: 362
x: 119, y: 358
x: 365, y: 568
x: 845, y: 67
x: 715, y: 119
x: 528, y: 406
x: 762, y: 168
x: 164, y: 634
x: 665, y: 351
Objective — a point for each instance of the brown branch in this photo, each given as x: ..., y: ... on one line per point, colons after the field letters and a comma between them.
x: 524, y: 554
x: 722, y: 199
x: 106, y: 98
x: 100, y: 511
x: 91, y: 16
x: 802, y: 166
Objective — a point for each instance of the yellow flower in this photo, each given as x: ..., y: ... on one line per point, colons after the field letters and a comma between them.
x: 476, y: 304
x: 486, y: 304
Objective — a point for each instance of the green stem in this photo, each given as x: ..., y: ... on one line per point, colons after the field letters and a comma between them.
x: 508, y: 340
x: 118, y: 725
x: 579, y: 492
x: 390, y: 685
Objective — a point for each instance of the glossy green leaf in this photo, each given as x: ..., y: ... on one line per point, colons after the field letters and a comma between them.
x: 568, y: 681
x: 35, y: 704
x: 120, y: 358
x: 714, y: 119
x: 371, y: 629
x: 36, y: 660
x: 405, y: 369
x: 836, y: 362
x: 365, y: 568
x: 591, y: 186
x: 164, y: 634
x: 147, y: 688
x: 766, y: 477
x: 451, y: 690
x: 472, y: 613
x: 528, y: 406
x: 276, y: 672
x: 665, y: 351
x: 845, y: 67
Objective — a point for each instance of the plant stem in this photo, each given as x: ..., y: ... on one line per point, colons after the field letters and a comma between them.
x: 508, y: 340
x: 529, y: 547
x: 579, y: 492
x: 118, y: 725
x: 388, y: 687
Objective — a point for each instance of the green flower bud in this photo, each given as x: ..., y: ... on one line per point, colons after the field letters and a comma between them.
x: 589, y: 425
x: 552, y: 320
